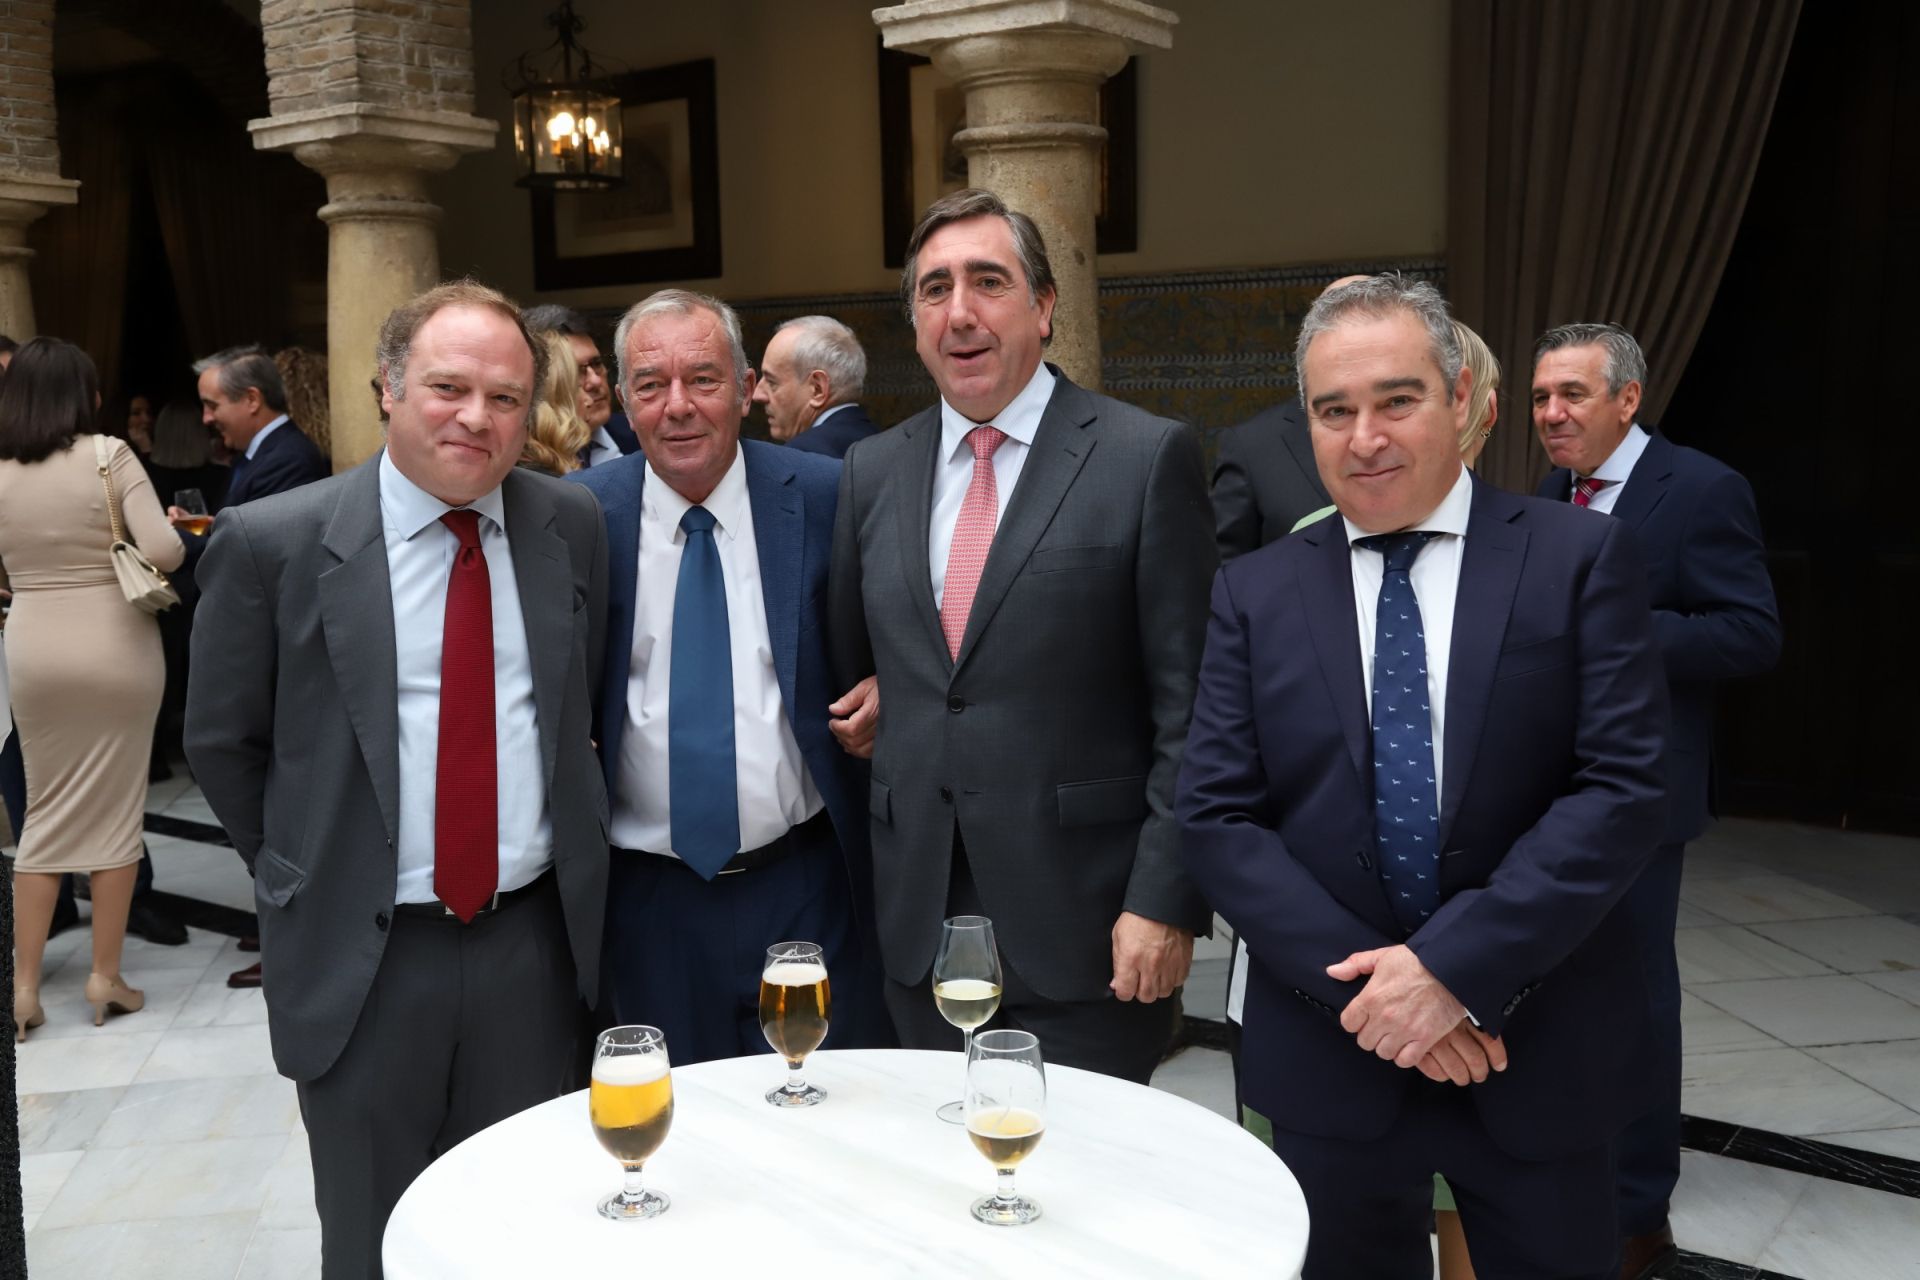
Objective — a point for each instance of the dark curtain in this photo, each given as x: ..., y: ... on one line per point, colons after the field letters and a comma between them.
x: 1601, y: 153
x: 79, y: 272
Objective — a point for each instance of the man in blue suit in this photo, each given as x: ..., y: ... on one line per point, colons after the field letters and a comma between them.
x: 734, y: 822
x: 1424, y: 765
x: 613, y: 436
x: 1696, y: 526
x: 811, y: 377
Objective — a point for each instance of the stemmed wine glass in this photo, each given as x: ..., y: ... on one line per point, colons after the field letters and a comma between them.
x: 966, y: 984
x: 795, y: 1005
x: 631, y: 1106
x: 1006, y: 1115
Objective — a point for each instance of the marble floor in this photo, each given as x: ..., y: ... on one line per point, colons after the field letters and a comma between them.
x: 164, y: 1145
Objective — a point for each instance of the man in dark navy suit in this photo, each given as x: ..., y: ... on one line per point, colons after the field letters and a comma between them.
x: 736, y: 819
x: 1424, y: 765
x: 810, y: 382
x: 1714, y: 617
x: 613, y: 436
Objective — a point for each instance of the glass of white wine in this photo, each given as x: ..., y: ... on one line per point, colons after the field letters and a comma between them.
x: 966, y: 984
x: 631, y: 1105
x: 795, y: 1006
x: 1006, y: 1115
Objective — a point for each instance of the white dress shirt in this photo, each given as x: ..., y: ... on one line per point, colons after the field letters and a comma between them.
x: 260, y: 436
x: 601, y: 448
x: 774, y: 789
x: 420, y: 553
x: 1617, y: 469
x: 1436, y: 584
x: 1020, y: 420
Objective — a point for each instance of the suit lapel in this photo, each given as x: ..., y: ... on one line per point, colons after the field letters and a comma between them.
x: 1326, y: 583
x: 356, y: 616
x: 916, y: 512
x: 1496, y: 547
x: 544, y: 576
x: 1647, y: 485
x: 1060, y: 448
x: 779, y: 534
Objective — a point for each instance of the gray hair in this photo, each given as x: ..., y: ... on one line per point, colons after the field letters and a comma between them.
x: 551, y: 317
x: 247, y: 367
x: 1625, y: 362
x: 1375, y: 298
x: 1029, y: 247
x: 679, y: 302
x: 823, y: 343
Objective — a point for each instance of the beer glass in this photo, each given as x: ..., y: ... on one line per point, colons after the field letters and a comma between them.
x: 966, y: 984
x: 197, y: 521
x: 1006, y: 1114
x: 795, y: 1004
x: 631, y: 1105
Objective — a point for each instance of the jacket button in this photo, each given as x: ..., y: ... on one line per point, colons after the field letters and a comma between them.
x: 380, y: 921
x: 956, y: 703
x: 946, y: 794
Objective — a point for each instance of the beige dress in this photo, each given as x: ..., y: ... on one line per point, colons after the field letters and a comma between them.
x: 85, y: 666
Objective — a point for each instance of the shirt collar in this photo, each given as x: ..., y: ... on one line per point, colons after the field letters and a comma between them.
x: 1020, y: 419
x: 411, y: 508
x: 1619, y: 463
x: 603, y: 439
x: 727, y: 504
x: 828, y: 412
x: 253, y: 445
x: 1450, y: 516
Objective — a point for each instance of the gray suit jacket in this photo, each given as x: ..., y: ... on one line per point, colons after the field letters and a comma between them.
x: 1054, y: 742
x: 293, y: 730
x: 1265, y: 479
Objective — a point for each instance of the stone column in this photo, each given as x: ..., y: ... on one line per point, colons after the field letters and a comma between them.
x: 1032, y: 71
x: 30, y: 181
x: 374, y: 95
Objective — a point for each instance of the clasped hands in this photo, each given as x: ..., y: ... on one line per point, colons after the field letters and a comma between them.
x: 1407, y: 1016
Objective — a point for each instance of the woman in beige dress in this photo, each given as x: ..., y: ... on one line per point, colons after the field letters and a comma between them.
x: 85, y: 665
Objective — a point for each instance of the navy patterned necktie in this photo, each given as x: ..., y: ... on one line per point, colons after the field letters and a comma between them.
x: 1406, y: 803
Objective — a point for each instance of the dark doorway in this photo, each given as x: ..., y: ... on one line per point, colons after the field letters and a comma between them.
x: 1799, y: 382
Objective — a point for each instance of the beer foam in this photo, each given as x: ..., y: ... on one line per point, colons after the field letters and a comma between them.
x: 795, y: 973
x: 630, y: 1068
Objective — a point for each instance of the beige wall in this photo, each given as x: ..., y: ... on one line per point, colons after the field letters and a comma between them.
x: 1275, y: 131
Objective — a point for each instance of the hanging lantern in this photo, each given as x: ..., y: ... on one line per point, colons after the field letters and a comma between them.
x: 566, y: 127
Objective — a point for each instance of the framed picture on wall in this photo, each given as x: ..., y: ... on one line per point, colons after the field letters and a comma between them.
x: 921, y: 111
x: 664, y: 224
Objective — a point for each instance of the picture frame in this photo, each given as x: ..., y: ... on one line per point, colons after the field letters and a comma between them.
x: 919, y: 113
x: 663, y: 223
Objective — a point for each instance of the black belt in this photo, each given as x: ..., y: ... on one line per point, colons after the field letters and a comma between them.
x: 775, y: 850
x: 495, y: 905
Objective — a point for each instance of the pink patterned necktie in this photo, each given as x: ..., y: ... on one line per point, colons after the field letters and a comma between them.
x: 972, y: 537
x: 1584, y: 489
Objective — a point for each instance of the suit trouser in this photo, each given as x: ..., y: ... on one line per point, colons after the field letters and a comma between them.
x: 1648, y: 1148
x: 465, y: 1024
x: 1370, y: 1202
x: 1115, y: 1037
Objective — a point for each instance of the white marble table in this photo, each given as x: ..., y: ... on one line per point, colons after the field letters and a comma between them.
x: 1133, y: 1181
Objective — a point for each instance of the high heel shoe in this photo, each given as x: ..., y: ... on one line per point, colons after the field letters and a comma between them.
x: 27, y: 1013
x: 112, y: 995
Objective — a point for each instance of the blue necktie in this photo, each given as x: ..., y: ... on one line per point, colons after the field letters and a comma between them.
x: 702, y: 791
x: 1406, y: 812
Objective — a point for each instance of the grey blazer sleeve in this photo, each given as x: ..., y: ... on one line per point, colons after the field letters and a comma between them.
x: 229, y: 722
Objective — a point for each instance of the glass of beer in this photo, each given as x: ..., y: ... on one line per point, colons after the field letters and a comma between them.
x: 795, y: 1004
x: 196, y: 521
x: 1006, y: 1114
x: 631, y: 1105
x: 966, y: 984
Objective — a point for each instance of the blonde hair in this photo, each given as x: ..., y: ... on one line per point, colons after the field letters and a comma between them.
x: 1486, y: 380
x: 304, y: 373
x: 558, y: 432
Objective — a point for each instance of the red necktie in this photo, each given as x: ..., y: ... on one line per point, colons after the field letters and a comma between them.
x: 466, y: 825
x: 1584, y: 489
x: 972, y: 537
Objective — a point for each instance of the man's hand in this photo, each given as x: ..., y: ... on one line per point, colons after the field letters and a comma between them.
x: 1150, y: 959
x: 1403, y: 1011
x: 1464, y: 1055
x: 855, y: 718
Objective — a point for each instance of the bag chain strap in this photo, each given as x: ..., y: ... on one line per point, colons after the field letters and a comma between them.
x: 106, y: 478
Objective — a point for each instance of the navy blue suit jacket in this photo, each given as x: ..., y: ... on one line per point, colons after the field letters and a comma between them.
x: 837, y: 434
x: 622, y: 432
x: 793, y: 497
x: 1551, y: 803
x: 287, y: 459
x: 1695, y: 523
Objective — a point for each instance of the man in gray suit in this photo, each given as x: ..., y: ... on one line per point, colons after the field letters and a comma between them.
x: 1025, y: 568
x: 398, y: 741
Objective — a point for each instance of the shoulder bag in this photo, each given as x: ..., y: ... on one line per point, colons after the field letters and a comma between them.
x: 145, y: 587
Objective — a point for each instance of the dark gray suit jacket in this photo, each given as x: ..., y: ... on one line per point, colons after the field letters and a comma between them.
x: 1054, y: 742
x: 1264, y: 479
x: 293, y: 730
